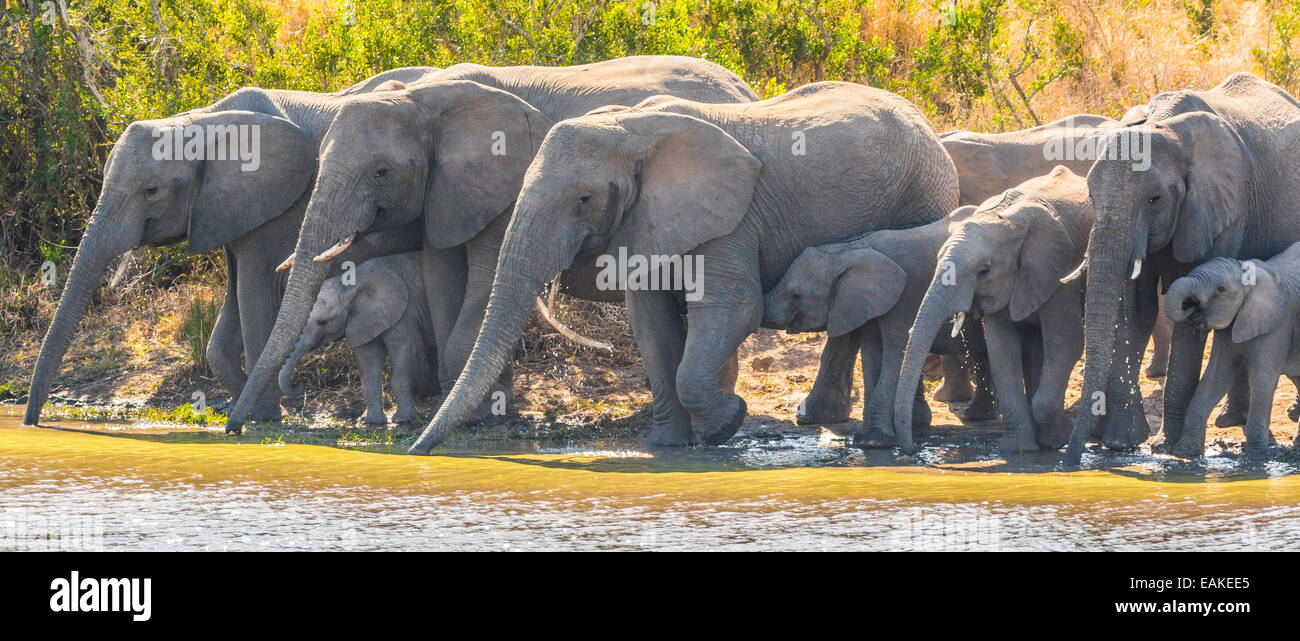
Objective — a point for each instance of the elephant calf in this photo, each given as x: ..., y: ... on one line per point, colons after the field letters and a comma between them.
x: 872, y: 285
x: 1254, y: 308
x: 381, y: 310
x: 1005, y: 264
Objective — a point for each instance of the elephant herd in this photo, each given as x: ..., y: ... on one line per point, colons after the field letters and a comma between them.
x: 420, y: 213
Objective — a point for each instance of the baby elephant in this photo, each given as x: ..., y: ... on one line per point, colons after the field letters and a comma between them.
x: 1005, y: 264
x: 872, y: 285
x: 1253, y: 307
x: 382, y: 310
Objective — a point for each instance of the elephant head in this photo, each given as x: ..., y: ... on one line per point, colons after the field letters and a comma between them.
x: 451, y: 151
x: 1009, y: 255
x: 1226, y: 292
x: 157, y: 190
x: 1186, y: 193
x: 834, y: 290
x: 652, y: 182
x: 359, y: 312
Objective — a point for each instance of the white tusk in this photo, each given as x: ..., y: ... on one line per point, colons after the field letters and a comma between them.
x: 1078, y: 271
x: 958, y: 320
x: 565, y: 331
x: 1137, y: 268
x: 337, y: 249
x: 288, y: 262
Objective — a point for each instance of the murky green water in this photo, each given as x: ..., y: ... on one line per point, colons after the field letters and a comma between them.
x: 178, y: 489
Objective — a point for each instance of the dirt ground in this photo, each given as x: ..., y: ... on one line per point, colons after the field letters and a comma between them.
x: 131, y: 350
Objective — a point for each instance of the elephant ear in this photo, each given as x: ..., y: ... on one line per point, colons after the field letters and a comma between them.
x: 1046, y: 255
x: 1220, y: 166
x: 1262, y: 309
x: 483, y: 141
x: 695, y: 183
x: 868, y: 287
x: 236, y: 196
x: 380, y: 302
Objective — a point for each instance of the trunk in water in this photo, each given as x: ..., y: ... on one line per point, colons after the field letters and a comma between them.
x: 1107, y: 270
x: 93, y: 256
x: 299, y: 296
x: 517, y: 283
x: 941, y: 302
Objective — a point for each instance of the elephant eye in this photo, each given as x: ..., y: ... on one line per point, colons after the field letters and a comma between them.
x: 586, y: 195
x: 1154, y: 199
x: 321, y: 322
x: 984, y: 271
x: 1222, y: 289
x: 381, y: 172
x: 150, y: 192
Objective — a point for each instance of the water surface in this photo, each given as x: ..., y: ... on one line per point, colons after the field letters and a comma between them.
x: 172, y: 488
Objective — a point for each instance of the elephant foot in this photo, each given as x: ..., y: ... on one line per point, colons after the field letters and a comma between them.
x: 981, y: 408
x: 1188, y: 448
x: 874, y: 437
x: 815, y: 411
x: 266, y: 414
x: 1255, y: 452
x: 670, y: 435
x: 1017, y: 444
x: 405, y: 418
x: 718, y: 427
x: 372, y: 419
x: 953, y: 392
x: 1054, y: 434
x: 1126, y: 428
x: 1230, y: 417
x: 1155, y: 370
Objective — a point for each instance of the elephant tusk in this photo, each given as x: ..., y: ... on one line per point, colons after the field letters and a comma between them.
x: 341, y: 247
x: 1137, y: 268
x: 958, y: 320
x: 1078, y: 271
x: 288, y: 262
x: 565, y: 331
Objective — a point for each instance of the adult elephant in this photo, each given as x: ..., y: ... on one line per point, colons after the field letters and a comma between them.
x: 452, y: 153
x: 735, y: 193
x: 154, y: 197
x: 1208, y: 174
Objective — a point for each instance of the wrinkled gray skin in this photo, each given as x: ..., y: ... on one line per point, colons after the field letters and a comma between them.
x: 723, y: 182
x: 383, y: 314
x: 871, y: 286
x: 480, y: 127
x: 1220, y: 184
x: 1004, y: 264
x: 253, y: 215
x: 987, y: 164
x: 1253, y: 307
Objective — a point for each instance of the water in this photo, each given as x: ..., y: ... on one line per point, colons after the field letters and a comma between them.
x: 124, y: 487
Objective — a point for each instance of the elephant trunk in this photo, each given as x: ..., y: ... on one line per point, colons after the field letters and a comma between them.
x: 1184, y: 300
x: 1110, y: 254
x: 287, y: 385
x: 93, y: 256
x: 523, y: 267
x: 321, y: 228
x: 941, y: 302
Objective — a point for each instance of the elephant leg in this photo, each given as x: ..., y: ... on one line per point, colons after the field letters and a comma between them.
x: 956, y: 384
x: 1293, y: 412
x: 401, y: 380
x: 983, y: 407
x: 258, y: 305
x: 1160, y: 343
x: 660, y: 336
x: 1061, y: 336
x: 225, y: 346
x: 1234, y: 413
x: 371, y: 357
x: 1031, y: 357
x: 1186, y: 350
x: 1263, y: 385
x: 1126, y: 419
x: 871, y: 356
x: 444, y: 273
x: 878, y: 412
x: 730, y: 311
x: 1209, y: 390
x: 481, y: 254
x: 729, y: 373
x: 1006, y: 365
x: 831, y: 398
